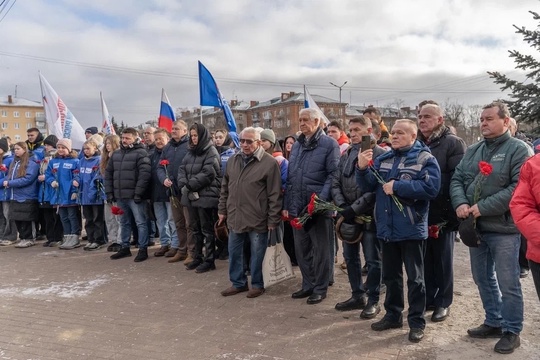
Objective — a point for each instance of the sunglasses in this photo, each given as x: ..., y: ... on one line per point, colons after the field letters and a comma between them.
x: 247, y: 141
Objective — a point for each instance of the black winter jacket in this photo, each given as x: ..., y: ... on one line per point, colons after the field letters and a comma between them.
x: 448, y: 149
x: 127, y: 175
x: 174, y: 152
x: 158, y: 191
x: 200, y: 173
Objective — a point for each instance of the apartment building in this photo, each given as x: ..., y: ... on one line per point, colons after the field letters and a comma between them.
x: 18, y: 115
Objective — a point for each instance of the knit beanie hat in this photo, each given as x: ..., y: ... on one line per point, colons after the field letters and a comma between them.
x: 51, y: 140
x: 268, y: 134
x: 65, y: 142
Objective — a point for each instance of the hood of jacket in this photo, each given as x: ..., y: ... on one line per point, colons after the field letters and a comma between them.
x: 203, y: 142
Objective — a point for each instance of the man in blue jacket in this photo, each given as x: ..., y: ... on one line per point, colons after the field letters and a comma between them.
x: 404, y: 179
x: 313, y: 161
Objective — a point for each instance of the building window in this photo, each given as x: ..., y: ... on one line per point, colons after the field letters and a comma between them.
x: 16, y: 125
x: 28, y: 114
x: 17, y: 137
x: 4, y: 126
x: 4, y: 113
x: 15, y: 114
x: 29, y: 126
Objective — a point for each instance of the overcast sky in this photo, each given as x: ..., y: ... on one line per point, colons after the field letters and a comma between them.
x: 256, y: 49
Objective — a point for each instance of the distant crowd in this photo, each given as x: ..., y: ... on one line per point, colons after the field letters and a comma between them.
x: 387, y: 199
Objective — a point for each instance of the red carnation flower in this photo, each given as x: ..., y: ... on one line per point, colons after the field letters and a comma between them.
x: 38, y: 162
x: 296, y: 224
x: 75, y: 172
x: 433, y: 231
x: 485, y: 168
x: 116, y: 210
x: 55, y: 170
x: 164, y: 162
x: 311, y: 208
x: 95, y: 168
x: 3, y: 168
x: 370, y: 163
x: 285, y: 218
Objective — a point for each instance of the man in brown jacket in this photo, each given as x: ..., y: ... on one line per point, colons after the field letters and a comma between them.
x: 251, y: 202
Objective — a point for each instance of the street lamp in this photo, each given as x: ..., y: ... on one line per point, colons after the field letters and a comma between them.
x: 339, y: 87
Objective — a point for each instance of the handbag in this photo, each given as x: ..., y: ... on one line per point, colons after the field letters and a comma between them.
x: 276, y: 266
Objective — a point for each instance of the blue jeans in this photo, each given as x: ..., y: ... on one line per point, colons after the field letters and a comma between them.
x: 237, y: 274
x: 139, y: 213
x: 166, y: 226
x: 70, y: 220
x: 495, y: 270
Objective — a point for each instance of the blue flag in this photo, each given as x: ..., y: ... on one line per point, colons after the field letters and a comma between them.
x: 211, y: 96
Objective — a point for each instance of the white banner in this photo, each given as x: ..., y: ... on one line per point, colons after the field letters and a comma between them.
x: 107, y: 127
x: 60, y: 121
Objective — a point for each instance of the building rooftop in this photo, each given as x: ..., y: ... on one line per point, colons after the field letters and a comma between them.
x: 4, y: 101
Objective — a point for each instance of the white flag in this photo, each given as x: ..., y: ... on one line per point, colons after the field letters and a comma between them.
x: 310, y: 103
x: 61, y: 122
x: 107, y: 127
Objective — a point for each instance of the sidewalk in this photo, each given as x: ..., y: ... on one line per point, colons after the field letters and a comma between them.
x: 76, y: 304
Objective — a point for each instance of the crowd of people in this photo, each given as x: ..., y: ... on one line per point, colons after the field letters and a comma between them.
x: 399, y: 196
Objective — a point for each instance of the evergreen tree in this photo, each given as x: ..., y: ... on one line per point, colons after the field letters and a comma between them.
x: 115, y: 126
x: 525, y: 95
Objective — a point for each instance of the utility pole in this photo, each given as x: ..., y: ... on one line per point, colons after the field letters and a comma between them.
x: 339, y: 87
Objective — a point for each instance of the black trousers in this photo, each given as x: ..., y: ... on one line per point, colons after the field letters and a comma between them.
x: 53, y: 224
x: 25, y: 229
x: 95, y: 223
x: 411, y: 254
x: 201, y: 223
x: 439, y: 269
x: 535, y: 271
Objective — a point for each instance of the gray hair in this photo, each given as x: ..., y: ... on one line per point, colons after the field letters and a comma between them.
x: 409, y: 122
x: 435, y: 107
x: 313, y: 113
x: 502, y: 112
x: 252, y: 130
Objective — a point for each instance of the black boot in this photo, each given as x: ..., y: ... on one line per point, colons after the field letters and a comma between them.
x: 122, y: 253
x: 141, y: 255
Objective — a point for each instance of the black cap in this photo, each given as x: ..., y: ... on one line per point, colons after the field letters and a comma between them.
x: 51, y: 140
x: 92, y: 130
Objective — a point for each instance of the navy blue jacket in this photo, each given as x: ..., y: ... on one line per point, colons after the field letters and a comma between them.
x: 91, y: 188
x: 23, y: 188
x: 417, y: 180
x: 311, y: 167
x: 174, y: 152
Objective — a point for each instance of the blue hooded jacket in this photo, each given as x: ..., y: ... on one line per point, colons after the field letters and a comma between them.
x: 417, y: 180
x: 6, y: 161
x: 64, y: 170
x: 91, y: 188
x: 23, y: 188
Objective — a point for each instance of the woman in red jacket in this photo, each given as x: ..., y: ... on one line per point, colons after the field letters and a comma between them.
x: 525, y: 205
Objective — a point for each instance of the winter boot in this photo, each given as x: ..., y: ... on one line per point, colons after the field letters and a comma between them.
x: 141, y: 255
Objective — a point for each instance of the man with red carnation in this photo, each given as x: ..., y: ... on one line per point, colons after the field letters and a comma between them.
x: 481, y: 188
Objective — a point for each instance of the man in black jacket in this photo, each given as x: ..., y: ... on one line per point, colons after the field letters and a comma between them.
x: 448, y: 149
x: 127, y: 177
x: 174, y: 152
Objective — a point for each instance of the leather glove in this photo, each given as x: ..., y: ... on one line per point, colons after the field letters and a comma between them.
x: 348, y: 213
x: 185, y: 190
x: 54, y: 184
x: 137, y: 199
x: 74, y: 196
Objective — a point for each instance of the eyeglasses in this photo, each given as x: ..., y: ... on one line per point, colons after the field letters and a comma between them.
x: 247, y: 141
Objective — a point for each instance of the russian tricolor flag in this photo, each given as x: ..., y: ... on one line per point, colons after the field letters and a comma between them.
x: 166, y: 113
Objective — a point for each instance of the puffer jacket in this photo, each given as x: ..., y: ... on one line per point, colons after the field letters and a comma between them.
x: 506, y: 154
x: 127, y: 175
x: 23, y: 188
x: 345, y: 191
x: 174, y: 152
x: 91, y: 188
x: 159, y: 193
x: 448, y: 149
x: 200, y: 173
x: 312, y: 164
x: 417, y: 180
x: 63, y: 170
x: 283, y: 168
x: 46, y: 192
x: 525, y: 206
x: 6, y: 161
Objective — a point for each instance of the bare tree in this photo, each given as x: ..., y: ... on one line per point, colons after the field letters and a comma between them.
x: 454, y: 113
